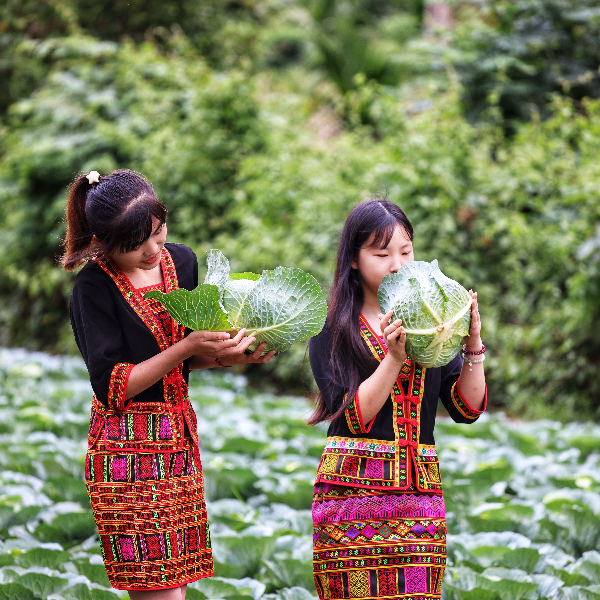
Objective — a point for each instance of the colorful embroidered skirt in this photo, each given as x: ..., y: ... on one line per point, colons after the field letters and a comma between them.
x: 151, y: 517
x: 378, y: 544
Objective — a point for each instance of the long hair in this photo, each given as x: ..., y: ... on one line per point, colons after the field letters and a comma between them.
x: 379, y: 218
x: 112, y: 215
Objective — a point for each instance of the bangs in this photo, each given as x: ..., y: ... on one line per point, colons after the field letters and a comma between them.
x: 383, y: 235
x: 134, y: 226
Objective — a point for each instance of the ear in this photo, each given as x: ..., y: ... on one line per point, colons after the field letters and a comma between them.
x: 354, y: 264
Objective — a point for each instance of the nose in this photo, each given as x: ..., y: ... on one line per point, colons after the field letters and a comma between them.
x: 151, y: 247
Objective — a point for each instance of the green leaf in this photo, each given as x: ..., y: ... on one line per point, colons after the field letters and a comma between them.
x: 250, y: 276
x: 42, y: 585
x: 435, y: 311
x: 81, y: 591
x: 284, y: 306
x: 218, y: 269
x: 68, y: 527
x: 235, y: 293
x: 214, y: 587
x: 291, y: 572
x: 43, y: 557
x: 198, y: 309
x: 240, y: 556
x: 297, y: 593
x: 16, y: 591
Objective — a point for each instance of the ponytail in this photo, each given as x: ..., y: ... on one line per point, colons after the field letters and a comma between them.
x: 78, y: 239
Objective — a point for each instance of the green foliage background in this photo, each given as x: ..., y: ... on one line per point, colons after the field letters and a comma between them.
x: 262, y: 122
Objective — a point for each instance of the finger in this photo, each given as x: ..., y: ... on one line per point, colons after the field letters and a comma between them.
x: 268, y: 356
x: 258, y: 352
x: 212, y: 336
x: 396, y: 334
x: 220, y: 345
x: 241, y: 347
x: 392, y: 327
x: 240, y: 334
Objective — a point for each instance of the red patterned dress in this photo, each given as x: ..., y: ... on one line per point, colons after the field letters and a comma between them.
x: 143, y: 470
x: 378, y: 509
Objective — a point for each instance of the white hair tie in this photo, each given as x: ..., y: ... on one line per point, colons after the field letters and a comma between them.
x: 93, y: 177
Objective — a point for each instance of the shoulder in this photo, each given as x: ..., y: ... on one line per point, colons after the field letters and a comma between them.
x: 181, y: 254
x: 319, y: 346
x: 186, y: 265
x: 92, y: 278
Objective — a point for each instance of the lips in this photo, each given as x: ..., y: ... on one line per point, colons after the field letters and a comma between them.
x: 152, y: 260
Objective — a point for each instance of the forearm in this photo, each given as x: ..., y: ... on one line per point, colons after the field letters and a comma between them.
x: 197, y: 361
x: 472, y: 378
x: 374, y: 391
x: 148, y: 372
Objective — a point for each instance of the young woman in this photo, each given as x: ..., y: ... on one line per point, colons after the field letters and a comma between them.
x: 378, y: 509
x: 142, y: 470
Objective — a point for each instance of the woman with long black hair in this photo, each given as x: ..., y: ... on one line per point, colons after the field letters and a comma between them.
x: 378, y: 509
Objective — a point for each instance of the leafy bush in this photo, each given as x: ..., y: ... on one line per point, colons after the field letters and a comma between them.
x: 517, y: 53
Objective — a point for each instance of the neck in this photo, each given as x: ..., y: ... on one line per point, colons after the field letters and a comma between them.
x: 370, y: 308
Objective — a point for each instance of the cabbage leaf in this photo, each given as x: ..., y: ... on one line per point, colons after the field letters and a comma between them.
x: 279, y: 307
x: 284, y: 306
x: 435, y: 311
x: 198, y: 309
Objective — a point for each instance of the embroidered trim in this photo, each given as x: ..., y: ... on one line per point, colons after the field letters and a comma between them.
x: 117, y: 386
x: 375, y: 446
x: 379, y: 507
x: 464, y: 408
x: 354, y: 417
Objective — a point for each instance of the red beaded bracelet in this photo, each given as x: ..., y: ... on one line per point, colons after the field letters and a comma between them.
x: 465, y: 351
x: 220, y: 363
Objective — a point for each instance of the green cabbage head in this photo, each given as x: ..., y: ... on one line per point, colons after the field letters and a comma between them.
x: 435, y: 311
x: 279, y: 307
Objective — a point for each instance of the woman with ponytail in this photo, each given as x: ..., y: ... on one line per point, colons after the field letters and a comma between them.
x: 378, y: 509
x: 142, y: 470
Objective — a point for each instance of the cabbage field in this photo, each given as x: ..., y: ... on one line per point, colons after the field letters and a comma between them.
x: 523, y: 499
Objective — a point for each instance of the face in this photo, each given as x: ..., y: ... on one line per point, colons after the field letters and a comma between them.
x: 147, y: 255
x: 374, y: 263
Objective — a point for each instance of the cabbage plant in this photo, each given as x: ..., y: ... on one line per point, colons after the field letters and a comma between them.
x: 279, y: 307
x: 435, y: 311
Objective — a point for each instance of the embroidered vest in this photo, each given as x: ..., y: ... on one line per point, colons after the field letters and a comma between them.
x: 381, y: 464
x: 143, y: 426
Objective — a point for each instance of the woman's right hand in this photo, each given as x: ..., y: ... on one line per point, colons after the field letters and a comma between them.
x: 217, y: 343
x: 394, y: 336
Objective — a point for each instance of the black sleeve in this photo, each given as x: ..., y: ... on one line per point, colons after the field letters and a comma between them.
x: 98, y: 333
x: 319, y: 352
x: 458, y: 408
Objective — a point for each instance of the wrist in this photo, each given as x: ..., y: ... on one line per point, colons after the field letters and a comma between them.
x: 473, y: 344
x: 396, y: 362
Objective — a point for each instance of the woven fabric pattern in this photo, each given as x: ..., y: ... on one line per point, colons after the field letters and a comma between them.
x: 143, y: 475
x: 376, y: 544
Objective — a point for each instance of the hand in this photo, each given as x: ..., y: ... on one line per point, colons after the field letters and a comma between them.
x: 394, y: 336
x: 473, y: 340
x: 209, y: 343
x: 241, y: 359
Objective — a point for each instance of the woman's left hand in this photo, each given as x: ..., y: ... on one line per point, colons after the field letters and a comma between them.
x: 237, y: 355
x: 473, y: 340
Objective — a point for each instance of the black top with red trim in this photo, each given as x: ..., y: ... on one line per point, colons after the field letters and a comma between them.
x: 439, y: 384
x: 108, y: 331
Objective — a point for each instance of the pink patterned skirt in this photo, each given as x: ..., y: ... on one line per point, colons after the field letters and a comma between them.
x: 378, y: 544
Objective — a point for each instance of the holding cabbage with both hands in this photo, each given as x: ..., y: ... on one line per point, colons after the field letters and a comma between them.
x: 286, y: 305
x: 435, y: 311
x: 278, y: 308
